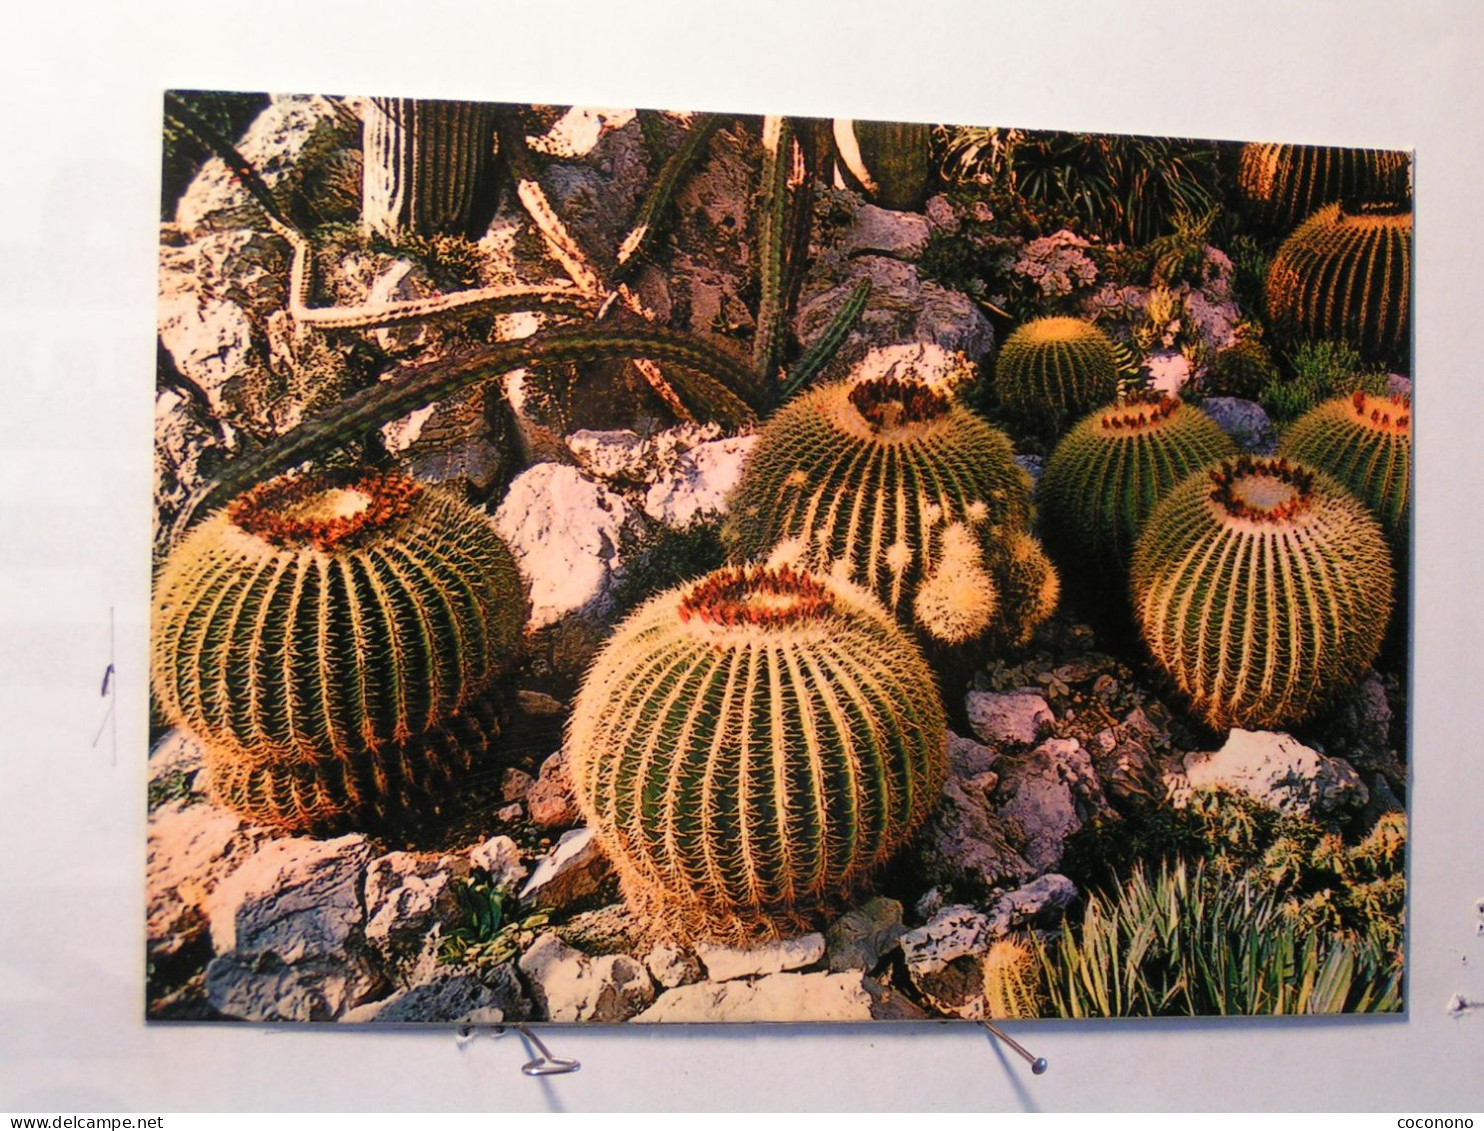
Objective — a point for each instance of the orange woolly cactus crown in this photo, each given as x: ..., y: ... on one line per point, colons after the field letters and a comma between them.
x: 756, y: 596
x: 891, y: 402
x: 1386, y: 414
x: 329, y: 511
x: 1258, y: 489
x: 1138, y: 410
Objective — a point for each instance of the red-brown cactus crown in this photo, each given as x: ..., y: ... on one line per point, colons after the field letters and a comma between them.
x: 1262, y: 489
x: 1385, y: 414
x: 329, y: 510
x: 756, y: 596
x: 889, y: 402
x: 1139, y: 410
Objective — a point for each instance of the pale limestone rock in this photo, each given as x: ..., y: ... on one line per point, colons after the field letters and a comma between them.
x: 723, y: 963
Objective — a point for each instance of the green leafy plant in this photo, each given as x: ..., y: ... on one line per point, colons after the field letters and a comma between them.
x: 487, y: 927
x: 1320, y: 371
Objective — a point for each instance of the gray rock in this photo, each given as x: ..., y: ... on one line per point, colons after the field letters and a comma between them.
x: 574, y: 870
x: 862, y: 937
x: 900, y: 235
x: 603, y: 930
x: 567, y: 985
x: 407, y: 895
x: 1037, y: 899
x: 1169, y: 371
x: 963, y: 845
x: 1396, y: 383
x: 190, y: 849
x: 515, y: 784
x: 1125, y: 756
x: 697, y: 486
x: 929, y: 903
x: 294, y: 898
x: 178, y: 762
x: 1032, y: 466
x: 550, y: 801
x: 210, y: 339
x: 488, y: 997
x: 1279, y: 771
x: 945, y: 958
x: 851, y: 996
x: 967, y: 758
x: 267, y: 990
x: 671, y: 967
x: 189, y: 449
x: 1359, y: 730
x: 1011, y: 718
x: 621, y: 455
x: 1049, y: 794
x: 1246, y: 422
x: 723, y: 963
x: 456, y: 439
x: 925, y: 362
x: 941, y: 215
x: 510, y: 814
x: 538, y: 704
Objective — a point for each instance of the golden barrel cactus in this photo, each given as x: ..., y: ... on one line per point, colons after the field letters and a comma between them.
x: 1282, y: 184
x: 1054, y: 369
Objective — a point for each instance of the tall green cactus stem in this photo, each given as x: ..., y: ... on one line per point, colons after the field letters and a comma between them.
x: 892, y: 161
x: 1365, y: 442
x: 656, y: 206
x: 1263, y: 588
x: 1108, y: 473
x: 773, y: 240
x: 751, y: 746
x: 1054, y: 368
x: 1346, y: 276
x: 824, y: 347
x: 317, y: 626
x: 867, y: 477
x: 1283, y: 184
x: 425, y: 163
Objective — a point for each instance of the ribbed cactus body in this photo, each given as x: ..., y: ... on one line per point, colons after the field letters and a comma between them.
x: 1242, y: 369
x: 1282, y: 184
x: 424, y: 161
x: 873, y: 478
x: 1012, y: 981
x: 1108, y: 473
x: 1346, y: 276
x: 318, y: 626
x: 1052, y: 369
x: 1365, y: 442
x: 1262, y: 588
x: 898, y: 156
x: 750, y: 746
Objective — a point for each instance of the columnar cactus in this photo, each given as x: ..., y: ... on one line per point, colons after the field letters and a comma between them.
x: 424, y: 164
x: 1283, y: 184
x: 1108, y: 473
x: 1346, y: 276
x: 750, y: 746
x: 1365, y: 442
x: 898, y: 158
x: 1263, y: 588
x: 1051, y: 369
x: 886, y: 480
x: 330, y: 640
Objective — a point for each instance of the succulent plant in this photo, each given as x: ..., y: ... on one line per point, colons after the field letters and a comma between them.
x: 750, y: 746
x: 892, y: 161
x: 1364, y: 441
x: 1110, y: 471
x: 1282, y: 184
x: 1243, y: 369
x: 424, y: 161
x: 1263, y: 588
x: 1346, y: 275
x: 332, y: 639
x: 1012, y: 981
x: 885, y: 480
x: 1051, y: 369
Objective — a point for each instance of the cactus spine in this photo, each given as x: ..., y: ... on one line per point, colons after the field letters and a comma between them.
x: 1262, y: 588
x: 1283, y: 184
x: 325, y: 636
x: 1108, y: 473
x: 424, y: 163
x: 750, y: 746
x: 1365, y: 442
x: 1053, y: 368
x: 1346, y: 276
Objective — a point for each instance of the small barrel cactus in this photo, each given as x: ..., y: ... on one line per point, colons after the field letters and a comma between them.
x: 1346, y: 276
x: 1263, y: 588
x: 884, y: 479
x: 1053, y: 369
x: 1364, y: 441
x: 1282, y: 184
x: 750, y: 746
x: 1243, y: 369
x: 898, y: 158
x: 330, y: 638
x: 1012, y: 981
x: 424, y: 163
x: 1108, y: 473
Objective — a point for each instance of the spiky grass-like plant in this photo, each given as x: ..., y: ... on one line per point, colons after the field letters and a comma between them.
x: 752, y: 745
x: 883, y: 479
x: 1110, y: 471
x: 1282, y: 184
x: 1364, y: 441
x: 1262, y: 587
x: 331, y: 639
x: 1052, y: 369
x: 1346, y: 276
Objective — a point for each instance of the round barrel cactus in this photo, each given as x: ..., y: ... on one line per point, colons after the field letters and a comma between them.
x: 1346, y: 276
x: 1051, y: 369
x: 750, y: 746
x: 1282, y: 184
x: 1243, y: 369
x: 1364, y: 441
x: 882, y: 478
x: 1108, y: 473
x: 1263, y: 588
x: 330, y: 637
x: 898, y: 157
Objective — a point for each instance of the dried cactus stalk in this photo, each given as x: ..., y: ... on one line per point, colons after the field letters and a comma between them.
x: 1051, y: 369
x: 1283, y: 184
x: 898, y: 157
x: 1263, y: 588
x: 1012, y: 981
x: 319, y: 625
x: 750, y: 747
x: 1108, y: 473
x: 1365, y: 442
x: 424, y: 161
x: 1346, y: 276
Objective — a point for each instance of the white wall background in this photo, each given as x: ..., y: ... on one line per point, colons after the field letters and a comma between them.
x: 79, y: 143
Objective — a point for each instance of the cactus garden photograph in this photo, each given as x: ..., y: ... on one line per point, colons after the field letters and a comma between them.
x: 627, y: 566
